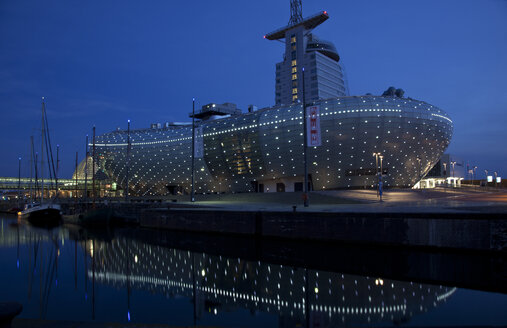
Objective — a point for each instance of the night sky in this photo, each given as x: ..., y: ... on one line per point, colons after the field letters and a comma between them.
x: 103, y: 62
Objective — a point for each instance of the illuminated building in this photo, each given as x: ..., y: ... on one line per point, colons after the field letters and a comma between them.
x: 324, y: 76
x: 262, y: 151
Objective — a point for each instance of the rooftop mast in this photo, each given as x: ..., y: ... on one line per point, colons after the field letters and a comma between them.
x: 296, y: 12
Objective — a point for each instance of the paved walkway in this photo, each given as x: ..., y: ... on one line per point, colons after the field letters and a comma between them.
x: 399, y: 201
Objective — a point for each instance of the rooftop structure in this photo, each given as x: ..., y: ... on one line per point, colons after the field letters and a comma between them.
x: 212, y: 110
x: 324, y: 75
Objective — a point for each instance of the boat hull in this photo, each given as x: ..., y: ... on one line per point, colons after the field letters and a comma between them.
x: 47, y: 216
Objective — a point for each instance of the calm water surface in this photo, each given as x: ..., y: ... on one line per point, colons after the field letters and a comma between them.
x: 79, y: 275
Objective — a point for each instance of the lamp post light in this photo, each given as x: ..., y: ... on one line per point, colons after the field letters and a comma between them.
x: 453, y: 178
x: 305, y: 146
x: 19, y: 181
x: 473, y: 174
x: 192, y: 191
x: 376, y: 171
x: 128, y: 163
x: 381, y: 183
x: 381, y: 158
x: 445, y: 172
x: 419, y: 171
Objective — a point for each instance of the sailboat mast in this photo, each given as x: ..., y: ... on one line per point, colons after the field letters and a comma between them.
x: 75, y: 197
x: 93, y: 167
x: 57, y: 167
x: 31, y: 168
x: 86, y: 174
x: 42, y: 153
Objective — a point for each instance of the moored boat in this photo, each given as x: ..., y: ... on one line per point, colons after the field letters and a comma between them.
x: 46, y: 212
x: 42, y: 214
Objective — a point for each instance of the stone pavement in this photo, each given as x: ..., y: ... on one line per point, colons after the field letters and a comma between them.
x: 398, y: 201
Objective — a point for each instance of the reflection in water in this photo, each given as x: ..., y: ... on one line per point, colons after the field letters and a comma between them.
x: 217, y: 284
x: 43, y: 255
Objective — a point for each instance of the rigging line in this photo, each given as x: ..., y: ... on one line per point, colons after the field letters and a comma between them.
x: 50, y: 152
x: 49, y: 164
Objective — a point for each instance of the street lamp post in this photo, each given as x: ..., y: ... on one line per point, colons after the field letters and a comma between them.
x: 128, y: 163
x: 419, y: 171
x: 192, y: 192
x: 381, y: 183
x: 19, y: 181
x: 445, y: 173
x: 376, y: 171
x: 496, y: 183
x: 453, y: 178
x: 473, y: 175
x: 305, y: 146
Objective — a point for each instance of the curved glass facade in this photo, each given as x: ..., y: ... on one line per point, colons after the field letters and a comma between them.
x: 265, y: 148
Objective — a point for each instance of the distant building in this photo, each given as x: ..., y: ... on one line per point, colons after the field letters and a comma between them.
x: 448, y: 166
x: 448, y: 171
x: 324, y: 76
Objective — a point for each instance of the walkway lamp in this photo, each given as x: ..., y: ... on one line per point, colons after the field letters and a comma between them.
x: 473, y: 174
x: 419, y: 172
x: 192, y: 191
x: 128, y: 163
x: 453, y: 178
x: 305, y: 146
x: 381, y: 183
x: 376, y: 170
x: 19, y: 181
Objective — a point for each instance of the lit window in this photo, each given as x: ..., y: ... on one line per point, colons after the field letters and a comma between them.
x: 294, y: 76
x: 294, y: 97
x: 293, y: 39
x: 294, y: 69
x: 294, y: 62
x: 294, y: 91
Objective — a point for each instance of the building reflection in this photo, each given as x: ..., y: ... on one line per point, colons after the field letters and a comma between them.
x: 298, y: 296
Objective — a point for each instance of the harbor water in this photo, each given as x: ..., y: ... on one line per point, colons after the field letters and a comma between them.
x: 119, y: 276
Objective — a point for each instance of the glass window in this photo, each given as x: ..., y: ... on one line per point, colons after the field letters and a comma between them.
x: 293, y: 54
x: 294, y: 97
x: 294, y: 69
x: 294, y: 63
x: 294, y: 76
x: 294, y: 91
x: 293, y: 38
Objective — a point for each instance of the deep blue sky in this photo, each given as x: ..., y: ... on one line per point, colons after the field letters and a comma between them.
x: 103, y: 62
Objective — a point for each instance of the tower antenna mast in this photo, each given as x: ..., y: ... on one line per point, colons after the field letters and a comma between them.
x: 296, y: 12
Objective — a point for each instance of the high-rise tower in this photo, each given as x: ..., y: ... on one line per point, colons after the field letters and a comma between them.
x: 324, y: 76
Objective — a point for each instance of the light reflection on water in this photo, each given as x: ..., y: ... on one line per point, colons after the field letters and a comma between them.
x: 74, y: 274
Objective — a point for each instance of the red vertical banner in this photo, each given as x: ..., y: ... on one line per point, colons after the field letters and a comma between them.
x: 313, y: 126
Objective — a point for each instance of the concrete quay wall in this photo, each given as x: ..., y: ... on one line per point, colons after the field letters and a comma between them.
x: 473, y: 231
